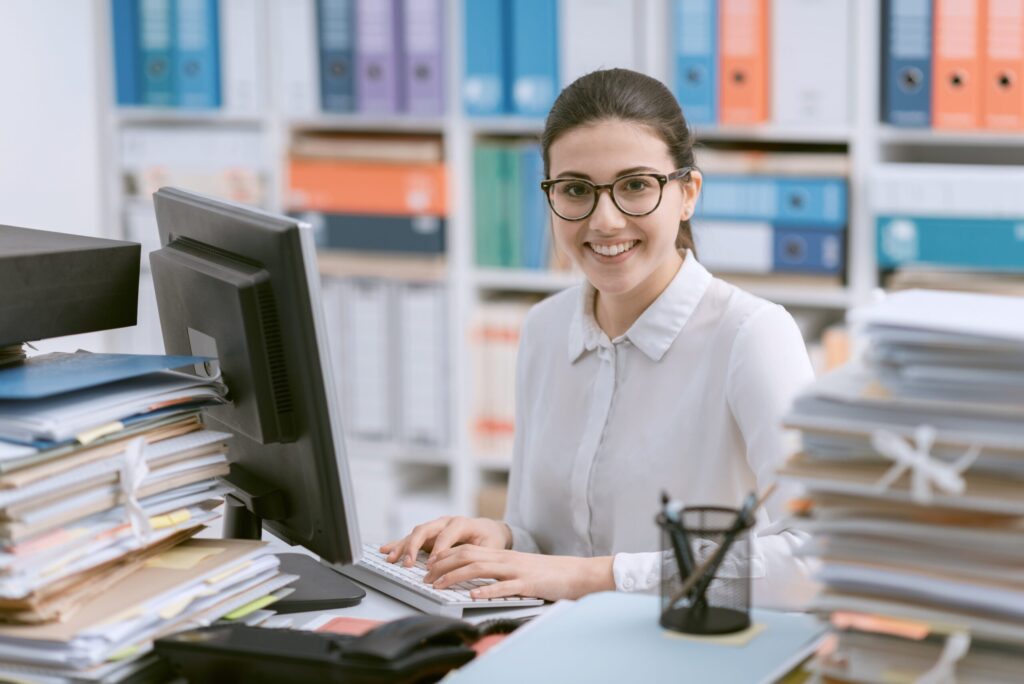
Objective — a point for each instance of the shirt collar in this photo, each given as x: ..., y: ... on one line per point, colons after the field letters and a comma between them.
x: 657, y: 327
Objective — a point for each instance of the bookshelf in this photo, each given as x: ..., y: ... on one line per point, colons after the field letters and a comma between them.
x: 865, y: 141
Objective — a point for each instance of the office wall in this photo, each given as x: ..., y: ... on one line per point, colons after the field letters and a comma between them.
x: 49, y: 127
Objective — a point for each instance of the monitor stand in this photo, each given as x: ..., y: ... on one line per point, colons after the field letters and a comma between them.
x: 318, y: 587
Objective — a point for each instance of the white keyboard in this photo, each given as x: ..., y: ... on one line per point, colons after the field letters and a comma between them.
x: 406, y: 584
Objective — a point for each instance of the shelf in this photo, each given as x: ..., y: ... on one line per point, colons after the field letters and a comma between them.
x: 493, y: 464
x: 506, y: 125
x: 812, y: 296
x: 774, y: 134
x: 392, y: 452
x: 362, y: 122
x: 523, y: 280
x: 175, y: 116
x: 896, y: 136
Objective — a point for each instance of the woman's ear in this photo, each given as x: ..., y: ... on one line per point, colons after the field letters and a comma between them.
x: 691, y: 191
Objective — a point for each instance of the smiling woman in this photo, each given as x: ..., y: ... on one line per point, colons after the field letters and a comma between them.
x: 652, y: 376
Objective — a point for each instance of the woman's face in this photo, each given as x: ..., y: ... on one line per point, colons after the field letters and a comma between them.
x: 621, y: 254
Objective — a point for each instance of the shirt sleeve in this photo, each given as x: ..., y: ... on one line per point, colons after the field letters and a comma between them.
x: 522, y: 540
x: 768, y: 368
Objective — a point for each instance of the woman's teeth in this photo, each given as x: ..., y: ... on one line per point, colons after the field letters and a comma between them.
x: 612, y: 250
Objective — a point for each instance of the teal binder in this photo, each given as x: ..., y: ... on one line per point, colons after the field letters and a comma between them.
x: 615, y: 637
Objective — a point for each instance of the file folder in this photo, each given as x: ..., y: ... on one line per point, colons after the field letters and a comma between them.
x: 423, y: 56
x: 198, y: 64
x: 378, y: 63
x: 534, y: 55
x: 695, y: 38
x: 485, y: 82
x: 744, y: 61
x: 156, y: 42
x: 957, y: 81
x: 907, y: 62
x: 336, y: 30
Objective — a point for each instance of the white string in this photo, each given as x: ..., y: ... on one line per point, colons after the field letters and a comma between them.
x: 925, y: 471
x: 133, y: 471
x: 944, y: 670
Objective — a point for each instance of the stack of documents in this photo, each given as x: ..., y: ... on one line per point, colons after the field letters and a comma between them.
x: 11, y: 353
x: 913, y: 462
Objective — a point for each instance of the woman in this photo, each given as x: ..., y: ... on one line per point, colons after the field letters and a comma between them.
x: 651, y: 376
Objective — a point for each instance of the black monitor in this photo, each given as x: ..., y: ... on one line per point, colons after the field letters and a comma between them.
x: 241, y: 285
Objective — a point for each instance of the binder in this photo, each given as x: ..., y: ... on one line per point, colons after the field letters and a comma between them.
x: 241, y: 56
x: 422, y: 364
x: 336, y: 32
x: 378, y: 233
x: 156, y: 43
x: 484, y: 90
x: 1003, y: 92
x: 378, y: 70
x: 197, y: 75
x: 510, y: 185
x: 957, y: 74
x: 907, y: 62
x: 743, y: 59
x: 536, y: 231
x: 533, y: 55
x: 296, y: 51
x: 367, y: 188
x: 811, y: 62
x: 734, y: 246
x: 808, y: 250
x: 423, y: 40
x: 695, y: 38
x: 487, y: 204
x: 124, y: 16
x: 596, y: 34
x: 990, y: 244
x: 790, y: 200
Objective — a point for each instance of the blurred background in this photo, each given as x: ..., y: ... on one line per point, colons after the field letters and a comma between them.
x: 847, y: 146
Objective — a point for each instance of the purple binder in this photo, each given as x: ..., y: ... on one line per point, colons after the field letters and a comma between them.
x: 378, y: 48
x: 423, y: 56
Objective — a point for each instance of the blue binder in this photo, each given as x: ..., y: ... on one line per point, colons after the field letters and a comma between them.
x: 534, y: 55
x: 808, y: 250
x: 197, y: 54
x: 795, y: 201
x: 156, y: 45
x: 378, y: 233
x: 987, y: 244
x: 127, y: 58
x: 336, y: 34
x: 535, y: 208
x: 486, y: 73
x: 907, y: 62
x: 695, y: 33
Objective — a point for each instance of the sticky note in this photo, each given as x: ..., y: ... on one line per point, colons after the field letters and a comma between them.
x: 183, y: 558
x: 735, y: 639
x: 261, y: 602
x: 92, y: 435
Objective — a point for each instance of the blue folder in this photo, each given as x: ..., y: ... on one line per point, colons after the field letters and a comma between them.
x: 907, y: 62
x: 52, y: 374
x: 615, y: 637
x: 789, y: 200
x: 695, y: 34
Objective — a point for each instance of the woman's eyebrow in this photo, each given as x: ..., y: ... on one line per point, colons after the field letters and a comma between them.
x: 623, y: 172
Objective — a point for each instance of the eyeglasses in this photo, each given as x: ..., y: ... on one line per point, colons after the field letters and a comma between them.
x: 636, y: 194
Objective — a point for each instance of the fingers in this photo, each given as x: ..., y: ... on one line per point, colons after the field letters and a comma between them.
x: 421, y: 535
x: 513, y: 587
x: 453, y: 533
x: 476, y: 570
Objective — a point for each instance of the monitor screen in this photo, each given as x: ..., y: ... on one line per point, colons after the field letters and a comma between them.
x: 241, y: 285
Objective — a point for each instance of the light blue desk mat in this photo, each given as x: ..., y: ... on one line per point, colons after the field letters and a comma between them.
x: 615, y: 637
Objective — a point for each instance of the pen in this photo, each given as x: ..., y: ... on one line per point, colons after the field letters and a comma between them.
x: 678, y: 535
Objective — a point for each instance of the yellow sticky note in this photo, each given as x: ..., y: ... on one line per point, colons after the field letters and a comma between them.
x: 92, y: 435
x: 239, y: 613
x: 228, y: 573
x: 170, y: 519
x: 183, y: 558
x: 124, y: 654
x: 735, y: 639
x: 173, y: 609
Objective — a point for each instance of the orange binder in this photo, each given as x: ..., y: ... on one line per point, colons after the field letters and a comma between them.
x: 957, y: 66
x: 367, y: 188
x: 1003, y: 95
x: 743, y: 62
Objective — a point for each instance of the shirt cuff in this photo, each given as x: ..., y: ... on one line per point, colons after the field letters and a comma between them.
x: 637, y: 571
x: 522, y: 540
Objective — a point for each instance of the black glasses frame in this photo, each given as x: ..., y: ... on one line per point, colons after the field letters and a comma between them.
x: 662, y: 179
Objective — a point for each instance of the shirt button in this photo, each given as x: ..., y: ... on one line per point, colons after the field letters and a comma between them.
x: 627, y: 584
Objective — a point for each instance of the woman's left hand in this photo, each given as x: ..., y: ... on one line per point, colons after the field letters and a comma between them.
x: 520, y: 574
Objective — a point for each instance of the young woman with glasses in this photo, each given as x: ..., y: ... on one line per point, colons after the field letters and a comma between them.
x: 652, y: 376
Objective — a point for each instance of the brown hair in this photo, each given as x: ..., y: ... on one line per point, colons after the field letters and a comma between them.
x: 627, y: 96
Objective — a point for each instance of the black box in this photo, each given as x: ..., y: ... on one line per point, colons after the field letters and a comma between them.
x: 56, y: 284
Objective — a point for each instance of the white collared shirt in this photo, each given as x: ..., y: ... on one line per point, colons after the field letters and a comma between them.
x: 688, y: 401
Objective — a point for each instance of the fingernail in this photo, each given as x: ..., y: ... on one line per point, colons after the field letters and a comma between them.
x: 438, y: 583
x: 431, y: 559
x: 475, y: 593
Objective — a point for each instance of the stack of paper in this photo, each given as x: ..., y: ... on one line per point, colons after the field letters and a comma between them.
x: 11, y: 353
x: 913, y: 460
x: 104, y: 463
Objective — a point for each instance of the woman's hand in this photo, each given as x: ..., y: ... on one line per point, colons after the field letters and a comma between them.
x: 520, y: 574
x: 441, y: 534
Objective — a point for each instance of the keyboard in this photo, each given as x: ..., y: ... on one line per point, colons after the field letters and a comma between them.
x: 406, y: 584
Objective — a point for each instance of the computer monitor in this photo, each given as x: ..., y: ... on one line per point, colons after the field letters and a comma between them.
x: 241, y: 285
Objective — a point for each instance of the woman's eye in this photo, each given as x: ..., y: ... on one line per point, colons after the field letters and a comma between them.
x: 575, y: 189
x: 637, y: 184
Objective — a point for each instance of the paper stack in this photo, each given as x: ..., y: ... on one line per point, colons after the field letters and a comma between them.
x: 913, y: 462
x: 104, y: 467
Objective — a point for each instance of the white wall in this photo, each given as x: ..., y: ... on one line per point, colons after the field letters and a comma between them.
x: 50, y: 163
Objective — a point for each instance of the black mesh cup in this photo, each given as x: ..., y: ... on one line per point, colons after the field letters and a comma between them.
x: 720, y: 605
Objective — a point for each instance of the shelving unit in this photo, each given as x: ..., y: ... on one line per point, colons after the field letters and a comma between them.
x: 866, y: 141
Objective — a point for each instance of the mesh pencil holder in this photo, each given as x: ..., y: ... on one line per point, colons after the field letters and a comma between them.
x: 718, y: 600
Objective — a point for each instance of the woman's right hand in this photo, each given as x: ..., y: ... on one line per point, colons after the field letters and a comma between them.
x: 443, y: 533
